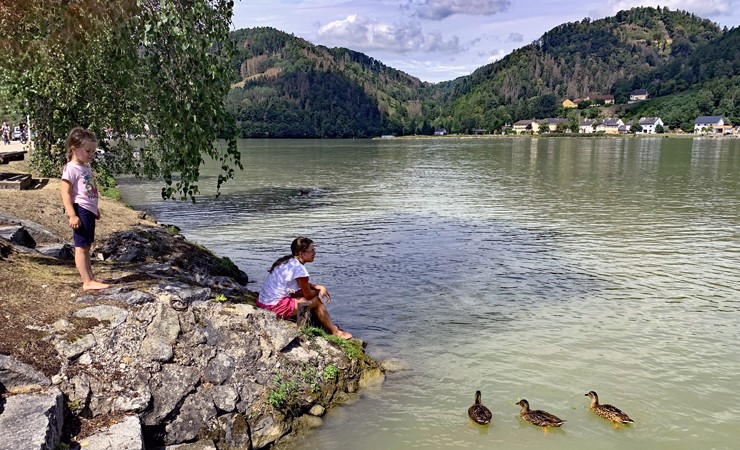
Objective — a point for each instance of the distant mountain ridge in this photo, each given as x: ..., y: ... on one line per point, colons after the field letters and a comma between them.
x: 288, y: 87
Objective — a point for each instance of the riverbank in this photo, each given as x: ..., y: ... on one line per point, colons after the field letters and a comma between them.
x: 176, y: 346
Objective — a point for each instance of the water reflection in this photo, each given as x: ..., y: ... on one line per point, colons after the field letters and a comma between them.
x: 537, y: 268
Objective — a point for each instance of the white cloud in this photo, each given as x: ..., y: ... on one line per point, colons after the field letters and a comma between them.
x: 441, y: 9
x: 497, y: 56
x: 368, y: 34
x: 516, y: 37
x: 699, y: 7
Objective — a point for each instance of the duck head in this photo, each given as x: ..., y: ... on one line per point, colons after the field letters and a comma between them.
x: 477, y: 397
x: 524, y: 404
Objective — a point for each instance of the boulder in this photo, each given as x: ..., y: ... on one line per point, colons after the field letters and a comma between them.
x: 15, y: 374
x: 125, y: 435
x: 32, y: 421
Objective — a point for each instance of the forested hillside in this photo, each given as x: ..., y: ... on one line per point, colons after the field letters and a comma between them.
x: 608, y: 56
x: 705, y: 82
x: 290, y: 88
x: 287, y: 87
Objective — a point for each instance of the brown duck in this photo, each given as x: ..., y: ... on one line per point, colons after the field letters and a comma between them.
x: 479, y: 413
x: 609, y: 412
x: 537, y: 417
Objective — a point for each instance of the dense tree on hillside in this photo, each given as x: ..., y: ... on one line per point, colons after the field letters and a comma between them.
x: 131, y: 67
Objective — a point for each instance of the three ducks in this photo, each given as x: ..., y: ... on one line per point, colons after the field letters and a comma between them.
x: 482, y: 415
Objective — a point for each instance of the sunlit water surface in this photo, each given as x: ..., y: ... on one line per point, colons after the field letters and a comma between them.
x: 526, y: 268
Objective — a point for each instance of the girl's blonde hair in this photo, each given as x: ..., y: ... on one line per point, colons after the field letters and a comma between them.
x: 76, y: 138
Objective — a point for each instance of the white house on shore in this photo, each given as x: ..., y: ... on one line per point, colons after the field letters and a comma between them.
x: 610, y: 125
x: 649, y: 124
x: 710, y: 124
x: 586, y: 126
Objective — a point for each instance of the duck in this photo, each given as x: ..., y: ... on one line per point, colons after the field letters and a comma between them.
x: 479, y: 413
x: 609, y: 412
x: 538, y: 417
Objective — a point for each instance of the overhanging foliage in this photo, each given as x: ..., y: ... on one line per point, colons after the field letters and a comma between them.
x: 150, y: 75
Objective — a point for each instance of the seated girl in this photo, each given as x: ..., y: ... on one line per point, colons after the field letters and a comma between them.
x: 286, y: 287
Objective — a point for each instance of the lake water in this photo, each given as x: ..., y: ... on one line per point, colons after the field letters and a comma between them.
x: 526, y: 268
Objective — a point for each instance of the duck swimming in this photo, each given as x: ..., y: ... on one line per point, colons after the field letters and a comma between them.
x: 609, y: 412
x: 479, y: 413
x: 537, y: 417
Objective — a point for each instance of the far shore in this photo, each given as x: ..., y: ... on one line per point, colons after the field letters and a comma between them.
x: 561, y: 135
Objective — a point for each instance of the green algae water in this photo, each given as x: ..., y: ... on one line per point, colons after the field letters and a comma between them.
x: 524, y: 268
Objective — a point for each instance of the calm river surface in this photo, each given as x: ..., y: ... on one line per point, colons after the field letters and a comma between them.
x: 526, y: 268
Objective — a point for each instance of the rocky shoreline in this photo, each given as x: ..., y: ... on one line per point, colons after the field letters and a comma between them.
x: 174, y: 355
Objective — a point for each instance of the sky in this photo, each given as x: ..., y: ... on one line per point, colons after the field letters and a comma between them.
x: 439, y: 40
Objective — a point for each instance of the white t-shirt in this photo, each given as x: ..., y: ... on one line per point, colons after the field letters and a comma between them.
x: 281, y: 282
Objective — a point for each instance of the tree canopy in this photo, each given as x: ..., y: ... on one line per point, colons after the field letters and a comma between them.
x: 148, y: 76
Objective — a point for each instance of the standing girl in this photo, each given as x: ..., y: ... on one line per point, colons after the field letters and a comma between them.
x: 80, y: 197
x: 286, y: 287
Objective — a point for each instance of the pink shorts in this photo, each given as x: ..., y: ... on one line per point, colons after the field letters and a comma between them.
x: 284, y: 308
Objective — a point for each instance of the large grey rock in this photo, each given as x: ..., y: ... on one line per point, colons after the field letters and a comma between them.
x: 18, y: 235
x: 267, y: 430
x: 219, y: 369
x: 200, y: 445
x: 196, y: 411
x: 123, y: 294
x: 234, y: 433
x: 73, y: 349
x: 169, y: 387
x: 14, y: 373
x: 112, y: 314
x: 65, y: 252
x: 161, y: 335
x: 125, y: 435
x: 224, y: 397
x: 32, y: 421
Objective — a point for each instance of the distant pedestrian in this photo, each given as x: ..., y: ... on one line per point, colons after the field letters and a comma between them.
x: 80, y: 197
x: 6, y: 133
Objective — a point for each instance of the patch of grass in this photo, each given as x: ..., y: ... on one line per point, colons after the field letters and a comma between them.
x: 331, y: 372
x: 220, y: 298
x: 75, y: 405
x: 283, y: 392
x: 225, y: 267
x: 351, y: 348
x: 172, y: 229
x: 311, y: 376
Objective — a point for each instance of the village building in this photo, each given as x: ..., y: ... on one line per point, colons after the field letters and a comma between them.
x: 523, y: 126
x: 586, y: 126
x: 649, y: 124
x: 552, y: 124
x: 610, y: 125
x: 711, y: 125
x: 638, y: 95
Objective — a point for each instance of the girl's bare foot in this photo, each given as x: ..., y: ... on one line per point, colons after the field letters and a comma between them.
x: 342, y: 334
x: 94, y: 285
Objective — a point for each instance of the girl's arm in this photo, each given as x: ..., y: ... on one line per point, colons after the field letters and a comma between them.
x: 322, y: 292
x: 305, y: 286
x: 69, y: 209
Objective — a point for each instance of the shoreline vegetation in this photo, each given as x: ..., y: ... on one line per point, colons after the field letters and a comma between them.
x: 175, y: 352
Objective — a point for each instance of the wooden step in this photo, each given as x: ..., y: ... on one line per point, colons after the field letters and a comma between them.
x: 19, y: 181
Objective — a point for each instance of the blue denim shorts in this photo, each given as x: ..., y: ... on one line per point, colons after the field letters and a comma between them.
x: 85, y: 234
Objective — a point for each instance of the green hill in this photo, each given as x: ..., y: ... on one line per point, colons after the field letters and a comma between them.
x: 574, y: 60
x: 288, y: 87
